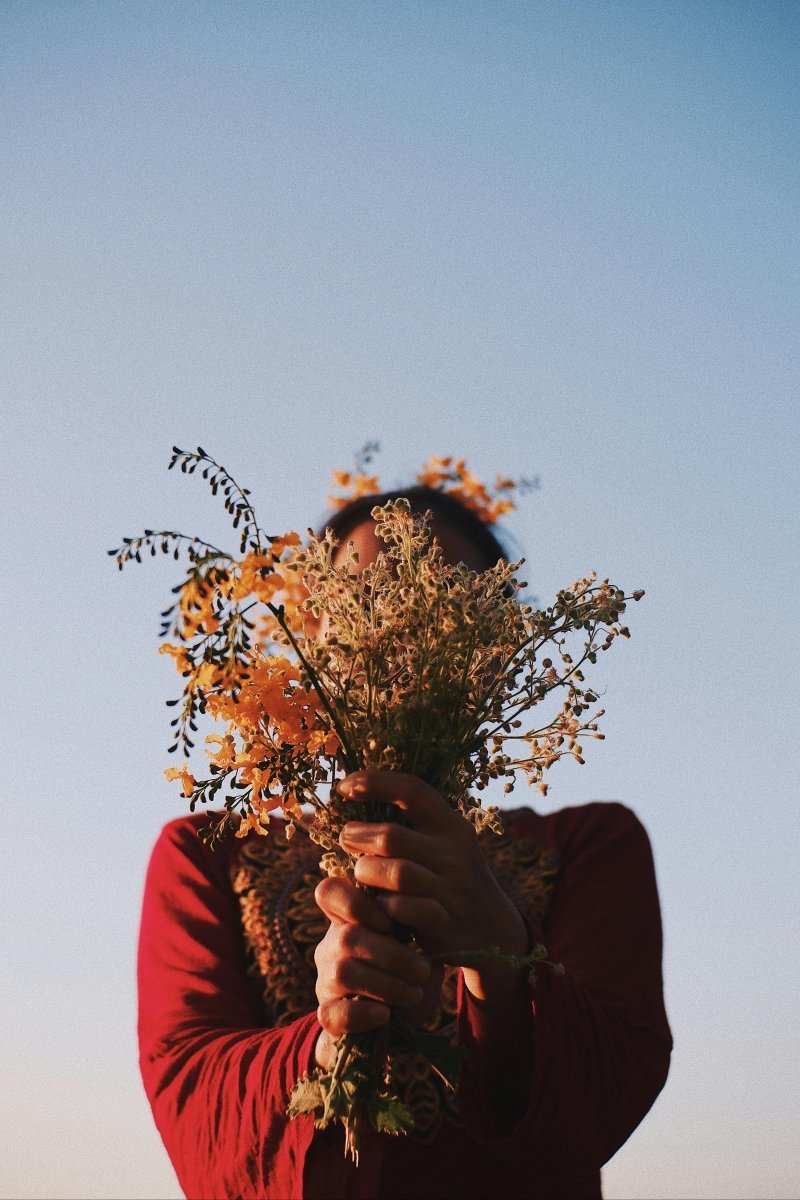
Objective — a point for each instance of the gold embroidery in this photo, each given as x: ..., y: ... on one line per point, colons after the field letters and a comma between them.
x: 423, y: 1093
x: 275, y: 881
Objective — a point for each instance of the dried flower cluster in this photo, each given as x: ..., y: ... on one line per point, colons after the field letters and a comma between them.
x: 317, y: 668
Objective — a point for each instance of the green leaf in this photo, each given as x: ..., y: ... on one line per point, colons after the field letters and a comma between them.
x: 390, y: 1115
x: 306, y: 1096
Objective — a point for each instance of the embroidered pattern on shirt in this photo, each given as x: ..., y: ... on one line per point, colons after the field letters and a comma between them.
x: 282, y: 925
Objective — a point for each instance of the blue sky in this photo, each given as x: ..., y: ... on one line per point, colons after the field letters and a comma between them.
x: 555, y: 238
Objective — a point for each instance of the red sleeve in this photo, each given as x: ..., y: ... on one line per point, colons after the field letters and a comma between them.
x: 596, y: 1040
x: 216, y: 1079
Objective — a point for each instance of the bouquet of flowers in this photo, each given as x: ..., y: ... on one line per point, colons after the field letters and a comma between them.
x: 316, y: 669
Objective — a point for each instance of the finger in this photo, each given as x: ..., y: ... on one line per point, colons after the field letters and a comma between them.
x: 420, y: 913
x: 355, y: 976
x: 426, y: 809
x: 418, y: 1014
x: 384, y: 954
x: 344, y: 945
x: 389, y: 840
x: 344, y: 903
x: 396, y: 875
x: 344, y: 1015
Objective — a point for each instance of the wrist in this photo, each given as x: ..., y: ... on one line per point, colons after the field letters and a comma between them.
x: 495, y: 981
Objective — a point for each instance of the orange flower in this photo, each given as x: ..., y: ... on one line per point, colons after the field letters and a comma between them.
x: 182, y: 773
x: 435, y: 472
x: 196, y: 608
x: 250, y: 821
x: 458, y: 481
x: 279, y: 544
x: 443, y: 473
x: 356, y: 485
x: 255, y: 577
x: 208, y: 674
x: 225, y: 756
x: 183, y: 664
x: 503, y: 484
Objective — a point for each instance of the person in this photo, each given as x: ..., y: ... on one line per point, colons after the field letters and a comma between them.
x: 250, y: 966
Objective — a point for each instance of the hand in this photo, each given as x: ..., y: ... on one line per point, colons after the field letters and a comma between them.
x: 434, y: 878
x: 359, y: 957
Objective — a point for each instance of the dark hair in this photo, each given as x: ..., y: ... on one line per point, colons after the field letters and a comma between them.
x: 422, y: 499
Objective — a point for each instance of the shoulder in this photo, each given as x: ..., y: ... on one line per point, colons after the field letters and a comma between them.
x: 187, y: 880
x: 180, y: 829
x: 591, y: 838
x: 180, y: 853
x: 572, y: 826
x: 181, y: 836
x: 179, y: 845
x: 601, y: 818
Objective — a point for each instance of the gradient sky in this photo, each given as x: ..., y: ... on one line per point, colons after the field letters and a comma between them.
x: 557, y: 238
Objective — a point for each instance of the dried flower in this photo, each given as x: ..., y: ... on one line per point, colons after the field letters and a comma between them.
x: 424, y: 666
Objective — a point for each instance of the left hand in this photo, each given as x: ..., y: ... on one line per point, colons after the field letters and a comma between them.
x: 433, y: 877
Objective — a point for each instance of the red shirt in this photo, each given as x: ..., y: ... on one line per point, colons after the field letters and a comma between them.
x: 227, y: 1021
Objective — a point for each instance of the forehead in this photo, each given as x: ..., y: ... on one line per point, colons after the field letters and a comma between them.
x: 457, y: 547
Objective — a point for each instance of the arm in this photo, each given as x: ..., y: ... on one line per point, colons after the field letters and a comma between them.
x: 217, y: 1081
x: 595, y: 1043
x: 569, y: 1076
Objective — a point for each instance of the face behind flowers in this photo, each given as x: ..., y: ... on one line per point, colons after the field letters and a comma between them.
x: 457, y: 547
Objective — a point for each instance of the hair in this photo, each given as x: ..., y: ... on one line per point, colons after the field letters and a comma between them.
x: 422, y: 499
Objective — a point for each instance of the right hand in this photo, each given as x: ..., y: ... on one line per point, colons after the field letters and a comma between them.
x: 359, y: 957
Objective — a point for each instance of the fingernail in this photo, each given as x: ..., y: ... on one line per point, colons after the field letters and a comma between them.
x: 353, y: 831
